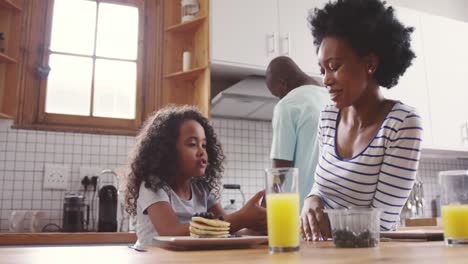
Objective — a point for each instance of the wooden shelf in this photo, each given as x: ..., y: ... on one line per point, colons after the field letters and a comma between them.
x: 66, y: 238
x: 187, y: 75
x: 5, y: 116
x: 5, y: 59
x: 10, y: 5
x: 187, y: 26
x: 190, y: 87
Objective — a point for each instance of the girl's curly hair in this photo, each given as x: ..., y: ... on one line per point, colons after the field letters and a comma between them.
x: 154, y: 157
x: 368, y: 26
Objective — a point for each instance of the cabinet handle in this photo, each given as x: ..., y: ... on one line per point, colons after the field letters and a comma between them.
x: 464, y: 132
x: 287, y: 40
x: 273, y: 37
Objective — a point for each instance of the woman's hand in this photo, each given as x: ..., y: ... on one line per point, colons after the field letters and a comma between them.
x: 255, y: 215
x: 314, y: 223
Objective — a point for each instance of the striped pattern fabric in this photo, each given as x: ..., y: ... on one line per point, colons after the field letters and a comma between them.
x: 381, y: 176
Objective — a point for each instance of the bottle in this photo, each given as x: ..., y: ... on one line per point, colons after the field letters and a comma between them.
x: 231, y: 208
x: 2, y: 41
x: 435, y: 206
x: 186, y: 61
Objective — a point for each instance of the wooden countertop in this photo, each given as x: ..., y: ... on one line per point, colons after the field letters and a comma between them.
x: 310, y: 252
x: 87, y: 237
x: 66, y: 238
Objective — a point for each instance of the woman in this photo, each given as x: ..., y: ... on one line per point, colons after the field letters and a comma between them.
x: 370, y: 146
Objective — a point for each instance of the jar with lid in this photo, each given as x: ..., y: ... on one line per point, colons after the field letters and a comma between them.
x: 74, y: 211
x: 189, y: 9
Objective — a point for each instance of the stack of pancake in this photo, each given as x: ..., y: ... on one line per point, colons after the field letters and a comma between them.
x: 210, y: 228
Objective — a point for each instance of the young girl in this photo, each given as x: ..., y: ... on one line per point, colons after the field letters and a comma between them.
x: 175, y: 171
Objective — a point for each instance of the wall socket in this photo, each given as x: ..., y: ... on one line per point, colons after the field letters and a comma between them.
x: 57, y: 176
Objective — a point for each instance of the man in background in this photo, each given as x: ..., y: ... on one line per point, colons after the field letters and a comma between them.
x: 295, y: 119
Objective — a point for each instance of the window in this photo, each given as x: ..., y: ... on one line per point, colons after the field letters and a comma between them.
x: 89, y: 57
x: 93, y: 59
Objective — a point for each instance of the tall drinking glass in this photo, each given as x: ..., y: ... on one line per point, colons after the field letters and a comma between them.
x: 454, y: 201
x: 282, y: 203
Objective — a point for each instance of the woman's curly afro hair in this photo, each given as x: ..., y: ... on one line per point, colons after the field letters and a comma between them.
x: 368, y: 26
x: 154, y: 156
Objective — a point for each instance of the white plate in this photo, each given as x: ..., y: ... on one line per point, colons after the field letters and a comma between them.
x: 187, y: 242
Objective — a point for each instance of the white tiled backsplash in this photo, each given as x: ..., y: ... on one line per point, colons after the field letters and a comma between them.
x: 246, y: 145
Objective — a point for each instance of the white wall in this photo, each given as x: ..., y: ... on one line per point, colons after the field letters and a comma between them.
x: 23, y: 154
x: 246, y: 145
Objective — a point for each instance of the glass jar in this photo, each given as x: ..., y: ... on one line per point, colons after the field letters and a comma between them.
x: 74, y: 211
x: 189, y: 9
x: 355, y: 227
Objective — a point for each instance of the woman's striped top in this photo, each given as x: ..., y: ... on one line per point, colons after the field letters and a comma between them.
x: 381, y: 176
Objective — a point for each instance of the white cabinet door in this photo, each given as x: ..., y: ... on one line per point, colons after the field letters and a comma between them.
x: 412, y: 86
x: 445, y: 47
x: 295, y: 36
x: 244, y: 32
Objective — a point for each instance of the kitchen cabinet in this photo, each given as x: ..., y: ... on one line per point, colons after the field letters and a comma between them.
x: 412, y: 86
x: 295, y: 37
x: 434, y: 84
x: 243, y: 32
x: 10, y: 12
x: 445, y: 48
x: 251, y: 37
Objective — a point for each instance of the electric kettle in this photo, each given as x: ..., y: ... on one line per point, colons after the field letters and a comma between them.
x: 231, y: 206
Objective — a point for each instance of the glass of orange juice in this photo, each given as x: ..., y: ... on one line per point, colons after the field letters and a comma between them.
x: 282, y: 203
x: 454, y: 201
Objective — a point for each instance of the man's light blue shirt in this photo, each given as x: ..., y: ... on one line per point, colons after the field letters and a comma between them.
x: 295, y: 123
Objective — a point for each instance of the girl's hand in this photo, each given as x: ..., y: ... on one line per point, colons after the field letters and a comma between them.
x: 314, y: 223
x: 254, y: 215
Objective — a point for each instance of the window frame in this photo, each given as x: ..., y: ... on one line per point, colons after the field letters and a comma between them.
x: 36, y: 33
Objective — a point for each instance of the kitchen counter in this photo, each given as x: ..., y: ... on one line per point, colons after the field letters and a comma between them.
x: 311, y: 252
x: 66, y: 238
